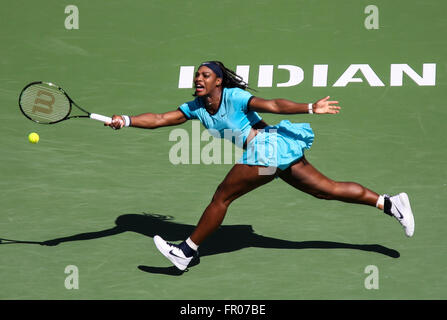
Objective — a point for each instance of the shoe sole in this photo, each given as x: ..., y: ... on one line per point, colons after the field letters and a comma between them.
x: 409, y: 230
x: 159, y: 243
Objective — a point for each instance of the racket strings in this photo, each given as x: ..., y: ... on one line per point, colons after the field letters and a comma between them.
x: 44, y: 103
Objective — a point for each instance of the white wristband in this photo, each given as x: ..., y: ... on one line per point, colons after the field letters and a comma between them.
x: 310, y: 106
x: 126, y: 120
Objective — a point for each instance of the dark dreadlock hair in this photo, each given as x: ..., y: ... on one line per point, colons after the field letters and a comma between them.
x: 230, y: 79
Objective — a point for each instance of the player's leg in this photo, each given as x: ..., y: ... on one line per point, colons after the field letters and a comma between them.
x: 241, y: 179
x: 303, y: 176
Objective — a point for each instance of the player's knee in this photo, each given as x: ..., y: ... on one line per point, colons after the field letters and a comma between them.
x: 221, y: 196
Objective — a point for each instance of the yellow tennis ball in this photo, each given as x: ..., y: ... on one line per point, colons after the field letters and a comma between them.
x: 33, y: 137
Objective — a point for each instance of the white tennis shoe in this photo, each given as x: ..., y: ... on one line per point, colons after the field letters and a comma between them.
x: 399, y: 207
x: 173, y: 253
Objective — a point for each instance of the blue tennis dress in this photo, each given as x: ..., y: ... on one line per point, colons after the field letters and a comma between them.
x: 274, y: 146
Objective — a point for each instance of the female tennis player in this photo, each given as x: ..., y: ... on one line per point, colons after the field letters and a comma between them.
x: 223, y: 104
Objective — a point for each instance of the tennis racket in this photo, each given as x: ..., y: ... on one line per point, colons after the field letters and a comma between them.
x: 47, y: 103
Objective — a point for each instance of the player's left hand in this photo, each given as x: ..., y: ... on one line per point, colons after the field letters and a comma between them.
x: 326, y: 106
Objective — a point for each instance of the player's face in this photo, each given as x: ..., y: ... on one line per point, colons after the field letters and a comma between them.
x: 206, y: 81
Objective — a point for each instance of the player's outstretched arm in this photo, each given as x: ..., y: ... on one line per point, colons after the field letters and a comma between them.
x: 284, y: 106
x: 149, y: 120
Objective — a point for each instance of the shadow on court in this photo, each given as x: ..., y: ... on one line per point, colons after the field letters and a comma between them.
x: 227, y: 238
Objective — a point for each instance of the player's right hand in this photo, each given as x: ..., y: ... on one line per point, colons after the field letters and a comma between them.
x: 117, y: 122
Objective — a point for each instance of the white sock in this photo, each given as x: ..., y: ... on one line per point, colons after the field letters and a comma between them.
x: 191, y: 244
x: 380, y: 202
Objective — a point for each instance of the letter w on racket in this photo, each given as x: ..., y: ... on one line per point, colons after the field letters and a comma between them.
x: 39, y: 101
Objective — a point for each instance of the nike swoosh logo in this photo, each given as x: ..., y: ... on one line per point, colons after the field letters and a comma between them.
x: 400, y: 214
x: 172, y: 253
